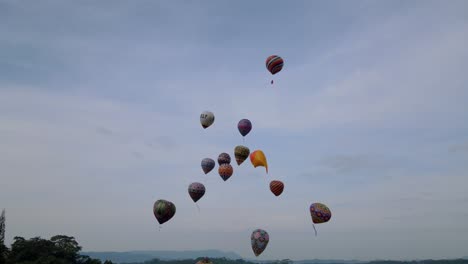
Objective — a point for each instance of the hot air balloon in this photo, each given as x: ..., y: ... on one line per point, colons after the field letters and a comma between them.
x: 224, y: 158
x: 258, y: 159
x: 259, y: 240
x: 241, y: 153
x: 207, y: 165
x: 225, y: 171
x: 207, y: 118
x: 274, y: 64
x: 196, y: 191
x: 204, y: 261
x: 276, y: 187
x: 320, y: 214
x: 244, y: 126
x: 163, y: 210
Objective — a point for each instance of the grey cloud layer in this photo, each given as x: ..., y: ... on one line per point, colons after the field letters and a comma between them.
x: 99, y: 108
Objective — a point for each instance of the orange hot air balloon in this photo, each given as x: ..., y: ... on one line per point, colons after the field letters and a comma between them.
x: 276, y: 187
x: 258, y: 159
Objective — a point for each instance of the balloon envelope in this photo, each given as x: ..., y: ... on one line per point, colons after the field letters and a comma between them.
x: 259, y: 240
x: 276, y: 187
x: 225, y: 171
x: 163, y: 210
x: 204, y: 261
x: 258, y: 159
x: 244, y: 127
x: 241, y: 153
x: 196, y: 191
x: 274, y: 64
x: 207, y: 119
x: 320, y: 213
x: 224, y: 158
x: 207, y: 165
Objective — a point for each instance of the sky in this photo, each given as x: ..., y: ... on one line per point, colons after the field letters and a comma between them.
x: 99, y: 118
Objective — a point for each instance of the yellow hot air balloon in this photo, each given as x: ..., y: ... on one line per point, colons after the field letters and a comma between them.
x: 258, y: 159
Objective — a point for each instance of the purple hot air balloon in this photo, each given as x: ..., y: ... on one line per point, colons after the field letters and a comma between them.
x: 244, y: 127
x: 224, y: 158
x: 196, y: 191
x: 207, y: 165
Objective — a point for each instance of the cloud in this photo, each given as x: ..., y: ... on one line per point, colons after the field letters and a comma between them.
x: 99, y: 117
x: 352, y: 163
x: 461, y: 147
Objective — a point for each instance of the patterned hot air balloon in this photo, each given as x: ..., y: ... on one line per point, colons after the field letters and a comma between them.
x: 207, y: 165
x: 274, y: 64
x: 244, y: 126
x: 225, y: 171
x: 320, y: 214
x: 207, y: 118
x: 204, y: 261
x: 276, y: 187
x: 259, y: 240
x: 196, y: 191
x: 163, y: 210
x: 241, y: 153
x: 258, y: 159
x: 224, y: 158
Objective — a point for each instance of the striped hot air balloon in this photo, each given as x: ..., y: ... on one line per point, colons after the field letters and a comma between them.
x: 274, y: 64
x: 276, y: 187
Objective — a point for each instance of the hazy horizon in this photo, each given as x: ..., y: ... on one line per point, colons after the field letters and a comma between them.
x: 99, y: 117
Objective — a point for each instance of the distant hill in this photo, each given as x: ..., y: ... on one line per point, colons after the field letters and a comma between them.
x: 167, y: 257
x: 315, y: 261
x: 141, y: 256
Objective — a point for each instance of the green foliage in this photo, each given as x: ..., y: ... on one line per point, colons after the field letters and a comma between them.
x: 288, y: 261
x: 194, y: 261
x: 3, y: 248
x: 58, y: 250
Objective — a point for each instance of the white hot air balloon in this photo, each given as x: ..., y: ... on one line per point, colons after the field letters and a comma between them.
x: 207, y: 119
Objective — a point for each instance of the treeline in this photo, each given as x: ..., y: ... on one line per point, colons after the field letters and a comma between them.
x: 287, y: 261
x: 430, y: 261
x: 56, y: 250
x: 213, y: 260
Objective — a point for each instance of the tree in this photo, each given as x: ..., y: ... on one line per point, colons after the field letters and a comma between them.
x: 58, y: 250
x: 2, y: 227
x: 3, y: 248
x: 66, y: 246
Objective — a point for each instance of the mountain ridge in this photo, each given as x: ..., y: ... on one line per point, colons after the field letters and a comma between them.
x: 137, y: 256
x: 144, y: 255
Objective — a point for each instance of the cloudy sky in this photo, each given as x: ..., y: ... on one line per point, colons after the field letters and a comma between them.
x: 99, y: 117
